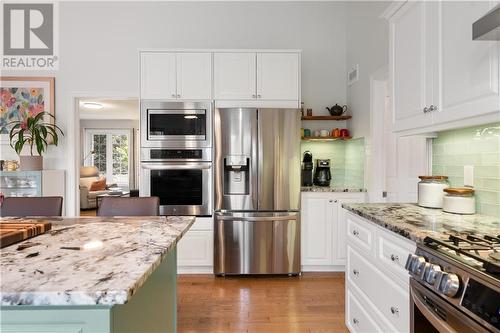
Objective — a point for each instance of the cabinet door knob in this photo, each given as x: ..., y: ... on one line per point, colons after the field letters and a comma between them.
x: 394, y: 310
x: 426, y: 109
x: 330, y: 200
x: 173, y: 95
x: 258, y: 96
x: 254, y: 96
x: 355, y: 232
x: 355, y: 321
x: 178, y: 96
x: 355, y: 272
x: 433, y: 108
x: 394, y: 257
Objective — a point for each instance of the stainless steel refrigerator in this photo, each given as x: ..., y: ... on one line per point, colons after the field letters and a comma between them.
x: 257, y: 191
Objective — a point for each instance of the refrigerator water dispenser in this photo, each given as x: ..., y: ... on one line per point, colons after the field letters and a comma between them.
x: 236, y: 175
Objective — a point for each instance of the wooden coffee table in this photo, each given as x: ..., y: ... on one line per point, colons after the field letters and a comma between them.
x: 100, y: 196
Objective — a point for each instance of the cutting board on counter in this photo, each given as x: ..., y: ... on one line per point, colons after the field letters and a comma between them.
x: 17, y: 231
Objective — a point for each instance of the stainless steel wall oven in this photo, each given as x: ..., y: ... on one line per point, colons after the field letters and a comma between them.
x: 181, y: 178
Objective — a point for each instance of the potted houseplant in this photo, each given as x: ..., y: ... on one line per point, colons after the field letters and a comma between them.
x: 33, y: 131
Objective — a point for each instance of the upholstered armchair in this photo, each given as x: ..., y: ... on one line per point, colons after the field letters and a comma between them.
x: 89, y: 175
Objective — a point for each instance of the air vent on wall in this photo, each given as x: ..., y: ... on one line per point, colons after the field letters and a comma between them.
x: 353, y: 75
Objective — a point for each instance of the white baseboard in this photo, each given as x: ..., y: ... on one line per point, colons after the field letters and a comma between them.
x: 323, y: 268
x: 195, y: 270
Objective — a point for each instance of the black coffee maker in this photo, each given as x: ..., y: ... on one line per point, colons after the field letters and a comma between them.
x: 322, y: 174
x: 306, y: 175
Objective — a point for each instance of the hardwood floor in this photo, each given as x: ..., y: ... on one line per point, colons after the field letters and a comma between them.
x: 88, y: 212
x: 311, y: 303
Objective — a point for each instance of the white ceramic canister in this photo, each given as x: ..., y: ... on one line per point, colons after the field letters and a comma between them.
x: 430, y: 191
x: 459, y: 200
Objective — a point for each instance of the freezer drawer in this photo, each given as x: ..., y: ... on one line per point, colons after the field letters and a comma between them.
x: 257, y: 243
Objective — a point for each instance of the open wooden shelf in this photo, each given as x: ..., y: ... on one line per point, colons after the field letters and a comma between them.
x: 326, y: 117
x: 327, y: 139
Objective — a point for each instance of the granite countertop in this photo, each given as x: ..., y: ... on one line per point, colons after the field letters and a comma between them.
x: 416, y: 223
x: 118, y: 255
x: 330, y: 189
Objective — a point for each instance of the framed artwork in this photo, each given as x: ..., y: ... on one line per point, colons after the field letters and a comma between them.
x: 24, y: 96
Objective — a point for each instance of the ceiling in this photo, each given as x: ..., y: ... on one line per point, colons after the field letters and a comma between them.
x: 112, y: 109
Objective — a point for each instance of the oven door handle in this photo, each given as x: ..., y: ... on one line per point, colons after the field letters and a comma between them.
x: 434, y: 319
x: 183, y: 166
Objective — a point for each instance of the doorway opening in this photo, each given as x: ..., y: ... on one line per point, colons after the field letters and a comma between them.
x: 109, y: 143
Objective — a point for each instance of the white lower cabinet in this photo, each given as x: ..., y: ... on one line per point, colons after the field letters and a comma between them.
x: 195, y: 251
x: 323, y: 225
x: 357, y: 316
x: 375, y: 278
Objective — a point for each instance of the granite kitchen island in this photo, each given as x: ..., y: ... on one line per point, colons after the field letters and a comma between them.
x: 93, y: 275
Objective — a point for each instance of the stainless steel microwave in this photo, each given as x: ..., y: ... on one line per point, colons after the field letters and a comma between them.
x: 176, y: 124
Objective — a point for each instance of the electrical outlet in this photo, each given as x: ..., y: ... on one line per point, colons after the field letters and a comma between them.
x: 469, y: 175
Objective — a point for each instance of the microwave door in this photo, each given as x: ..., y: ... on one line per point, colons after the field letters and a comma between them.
x: 279, y: 159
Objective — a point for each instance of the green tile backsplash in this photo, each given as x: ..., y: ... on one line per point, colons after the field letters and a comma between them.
x: 477, y: 146
x: 346, y: 157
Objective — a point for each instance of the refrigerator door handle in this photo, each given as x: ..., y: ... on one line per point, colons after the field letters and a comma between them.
x: 257, y: 218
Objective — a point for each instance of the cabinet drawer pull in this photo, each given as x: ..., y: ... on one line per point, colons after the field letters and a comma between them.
x: 355, y: 232
x: 355, y: 321
x: 394, y: 310
x: 355, y: 272
x: 394, y: 257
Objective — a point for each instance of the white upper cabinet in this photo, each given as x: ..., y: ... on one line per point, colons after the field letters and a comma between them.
x: 234, y: 76
x: 158, y: 76
x: 469, y: 69
x: 194, y: 75
x: 278, y: 76
x: 440, y: 77
x: 171, y: 75
x: 411, y: 69
x: 266, y: 76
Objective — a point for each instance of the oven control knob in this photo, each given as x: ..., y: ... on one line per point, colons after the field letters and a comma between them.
x: 432, y: 274
x: 418, y: 267
x: 409, y: 261
x: 449, y: 285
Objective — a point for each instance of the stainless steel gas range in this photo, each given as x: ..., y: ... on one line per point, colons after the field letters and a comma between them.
x: 455, y: 285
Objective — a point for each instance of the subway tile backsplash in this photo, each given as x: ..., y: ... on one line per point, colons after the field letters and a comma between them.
x: 347, y: 160
x: 478, y: 146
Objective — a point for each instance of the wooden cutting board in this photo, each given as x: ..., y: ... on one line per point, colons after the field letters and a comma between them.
x: 15, y: 232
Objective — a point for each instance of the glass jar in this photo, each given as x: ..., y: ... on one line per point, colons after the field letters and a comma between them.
x: 460, y: 200
x: 430, y: 191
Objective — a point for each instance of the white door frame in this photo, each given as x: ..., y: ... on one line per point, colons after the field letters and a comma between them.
x: 379, y: 81
x: 73, y: 135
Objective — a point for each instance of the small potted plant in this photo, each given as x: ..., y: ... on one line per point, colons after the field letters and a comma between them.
x: 34, y: 132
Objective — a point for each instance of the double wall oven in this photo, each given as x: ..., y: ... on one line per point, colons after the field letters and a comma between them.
x: 176, y: 156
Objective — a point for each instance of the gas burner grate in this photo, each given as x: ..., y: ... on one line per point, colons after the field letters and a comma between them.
x: 467, y: 248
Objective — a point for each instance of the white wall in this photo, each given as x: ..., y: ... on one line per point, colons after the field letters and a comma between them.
x: 99, y: 43
x: 367, y: 45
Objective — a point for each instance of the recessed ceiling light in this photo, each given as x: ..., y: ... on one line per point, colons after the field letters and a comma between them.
x: 90, y: 105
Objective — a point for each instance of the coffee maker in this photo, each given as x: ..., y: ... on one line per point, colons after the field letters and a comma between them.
x: 307, y: 169
x: 322, y: 174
